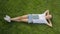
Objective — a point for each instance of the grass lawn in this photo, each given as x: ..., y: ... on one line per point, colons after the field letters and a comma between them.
x: 15, y: 8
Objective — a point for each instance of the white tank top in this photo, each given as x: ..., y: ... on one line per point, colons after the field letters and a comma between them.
x: 41, y: 19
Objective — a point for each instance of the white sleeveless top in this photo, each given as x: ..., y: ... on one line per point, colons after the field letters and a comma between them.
x: 41, y: 19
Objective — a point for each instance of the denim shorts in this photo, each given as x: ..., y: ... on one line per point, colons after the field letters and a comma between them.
x: 31, y: 17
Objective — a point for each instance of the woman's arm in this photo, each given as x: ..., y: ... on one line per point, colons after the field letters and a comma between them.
x: 50, y: 23
x: 46, y: 12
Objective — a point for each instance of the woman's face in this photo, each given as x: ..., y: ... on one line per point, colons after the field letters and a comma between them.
x: 49, y: 16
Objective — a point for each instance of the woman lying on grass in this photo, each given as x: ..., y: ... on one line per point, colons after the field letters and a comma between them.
x: 44, y: 18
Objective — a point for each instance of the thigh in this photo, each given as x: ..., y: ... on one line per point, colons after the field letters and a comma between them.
x: 24, y: 20
x: 24, y: 17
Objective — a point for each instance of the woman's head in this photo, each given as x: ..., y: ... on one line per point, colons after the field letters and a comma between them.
x: 48, y: 16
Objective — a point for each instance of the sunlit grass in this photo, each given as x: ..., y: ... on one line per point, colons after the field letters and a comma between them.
x: 15, y: 8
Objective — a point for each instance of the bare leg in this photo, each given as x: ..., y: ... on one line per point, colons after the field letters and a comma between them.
x: 20, y: 18
x: 24, y: 20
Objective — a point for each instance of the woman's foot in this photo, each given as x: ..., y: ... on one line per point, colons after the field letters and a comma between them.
x: 7, y: 18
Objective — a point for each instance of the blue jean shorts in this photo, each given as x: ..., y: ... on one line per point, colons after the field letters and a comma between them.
x: 31, y: 17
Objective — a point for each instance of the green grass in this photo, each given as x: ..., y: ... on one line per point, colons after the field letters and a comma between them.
x: 15, y: 8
